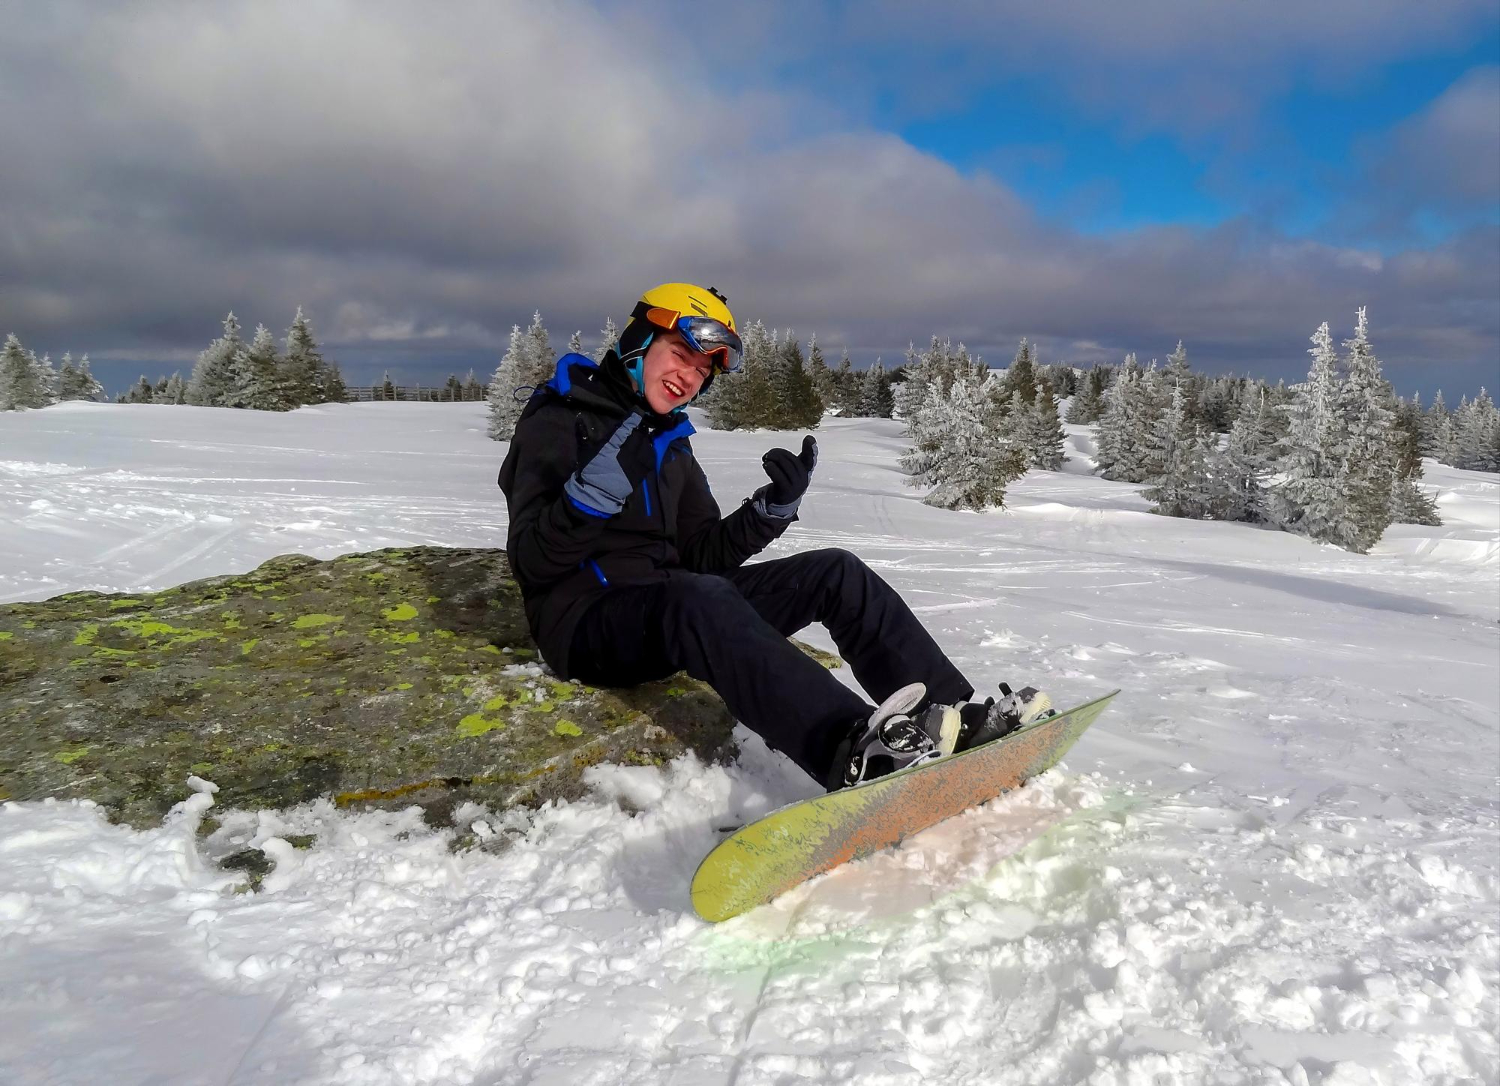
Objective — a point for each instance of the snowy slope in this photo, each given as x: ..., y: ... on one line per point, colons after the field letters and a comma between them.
x: 1273, y: 861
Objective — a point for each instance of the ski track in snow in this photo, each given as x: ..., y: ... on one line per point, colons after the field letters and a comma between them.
x: 1273, y: 861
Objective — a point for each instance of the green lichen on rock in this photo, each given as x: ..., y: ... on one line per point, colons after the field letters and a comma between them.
x: 303, y: 679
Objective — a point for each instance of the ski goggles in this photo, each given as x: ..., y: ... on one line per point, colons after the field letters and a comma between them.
x: 704, y: 334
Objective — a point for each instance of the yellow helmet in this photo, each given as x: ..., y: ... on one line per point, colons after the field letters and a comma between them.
x: 686, y: 300
x: 700, y: 314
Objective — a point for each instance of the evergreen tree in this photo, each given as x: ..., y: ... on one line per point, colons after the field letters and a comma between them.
x: 216, y: 380
x: 1309, y: 499
x: 847, y: 393
x: 141, y: 392
x: 528, y: 364
x: 453, y: 389
x: 1045, y: 439
x: 876, y: 400
x: 1239, y: 474
x: 800, y: 406
x: 1115, y: 430
x: 304, y: 374
x: 975, y: 464
x: 334, y: 389
x: 1088, y: 404
x: 1365, y: 399
x: 1181, y: 488
x: 15, y: 375
x: 1476, y: 429
x: 820, y: 375
x: 1179, y: 375
x: 472, y: 389
x: 89, y: 388
x: 922, y: 461
x: 159, y: 390
x: 1409, y: 503
x: 575, y: 342
x: 175, y: 392
x: 260, y: 375
x: 609, y: 337
x: 1432, y: 420
x: 25, y: 380
x: 1021, y: 376
x: 44, y: 380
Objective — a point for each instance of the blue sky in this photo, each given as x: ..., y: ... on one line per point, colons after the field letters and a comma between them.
x: 1099, y: 177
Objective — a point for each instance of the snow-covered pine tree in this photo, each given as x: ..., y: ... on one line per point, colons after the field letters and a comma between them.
x: 1112, y: 432
x: 609, y: 337
x: 472, y: 389
x: 1309, y: 498
x: 1088, y: 403
x: 922, y: 460
x: 1239, y: 473
x: 15, y: 373
x: 304, y: 374
x: 175, y: 392
x: 44, y: 379
x: 975, y: 463
x: 215, y: 379
x: 141, y: 392
x: 67, y: 378
x: 1431, y: 424
x: 1021, y: 376
x: 1182, y: 487
x: 1046, y: 438
x: 910, y: 392
x: 876, y: 399
x: 1179, y: 374
x: 819, y: 374
x: 159, y: 390
x: 85, y: 386
x: 1154, y: 404
x: 1476, y: 426
x: 1365, y: 403
x: 334, y: 389
x: 453, y: 390
x: 1410, y: 504
x: 845, y: 391
x: 800, y: 406
x: 505, y: 409
x: 575, y: 342
x: 261, y: 387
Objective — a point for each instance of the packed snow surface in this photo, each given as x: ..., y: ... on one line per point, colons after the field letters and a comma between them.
x: 1273, y: 861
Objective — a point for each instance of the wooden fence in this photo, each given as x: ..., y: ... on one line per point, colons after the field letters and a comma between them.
x: 414, y: 393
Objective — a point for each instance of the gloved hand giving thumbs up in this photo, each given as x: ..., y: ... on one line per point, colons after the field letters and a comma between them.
x: 790, y: 475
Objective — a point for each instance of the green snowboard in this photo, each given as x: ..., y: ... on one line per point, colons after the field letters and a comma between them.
x: 787, y: 847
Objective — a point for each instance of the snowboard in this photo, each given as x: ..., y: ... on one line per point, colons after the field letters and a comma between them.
x: 789, y: 846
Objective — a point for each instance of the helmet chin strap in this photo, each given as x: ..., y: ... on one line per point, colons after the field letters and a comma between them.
x: 635, y: 365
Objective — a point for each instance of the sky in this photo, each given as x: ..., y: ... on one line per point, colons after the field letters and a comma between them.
x: 1098, y: 177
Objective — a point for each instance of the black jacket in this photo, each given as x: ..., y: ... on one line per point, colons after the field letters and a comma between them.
x: 563, y: 558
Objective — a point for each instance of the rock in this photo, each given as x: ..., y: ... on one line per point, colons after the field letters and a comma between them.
x: 399, y: 677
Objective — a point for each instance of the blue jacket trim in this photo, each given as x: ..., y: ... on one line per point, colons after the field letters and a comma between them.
x: 599, y: 573
x: 589, y: 509
x: 562, y: 380
x: 646, y: 490
x: 664, y: 439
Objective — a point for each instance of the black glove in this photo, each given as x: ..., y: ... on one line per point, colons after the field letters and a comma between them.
x: 790, y: 475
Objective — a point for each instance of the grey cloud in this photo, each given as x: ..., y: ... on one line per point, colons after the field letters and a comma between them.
x: 420, y: 179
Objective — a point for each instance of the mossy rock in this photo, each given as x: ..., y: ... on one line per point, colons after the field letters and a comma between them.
x: 398, y: 677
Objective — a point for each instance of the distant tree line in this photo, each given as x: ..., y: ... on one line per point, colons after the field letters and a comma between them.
x: 256, y: 375
x: 27, y: 381
x: 1337, y: 458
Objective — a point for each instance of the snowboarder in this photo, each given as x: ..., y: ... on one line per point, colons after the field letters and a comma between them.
x: 630, y: 572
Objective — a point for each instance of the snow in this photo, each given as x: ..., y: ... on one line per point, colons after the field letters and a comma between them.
x: 1273, y: 861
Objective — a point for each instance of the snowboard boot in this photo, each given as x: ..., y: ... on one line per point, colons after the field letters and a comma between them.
x: 984, y: 722
x: 891, y: 739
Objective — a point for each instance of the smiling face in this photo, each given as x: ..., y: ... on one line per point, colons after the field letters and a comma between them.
x: 672, y: 372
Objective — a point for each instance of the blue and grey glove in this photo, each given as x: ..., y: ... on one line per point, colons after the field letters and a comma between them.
x: 603, y: 485
x: 790, y: 475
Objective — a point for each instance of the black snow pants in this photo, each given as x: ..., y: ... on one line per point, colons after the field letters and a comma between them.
x: 731, y: 632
